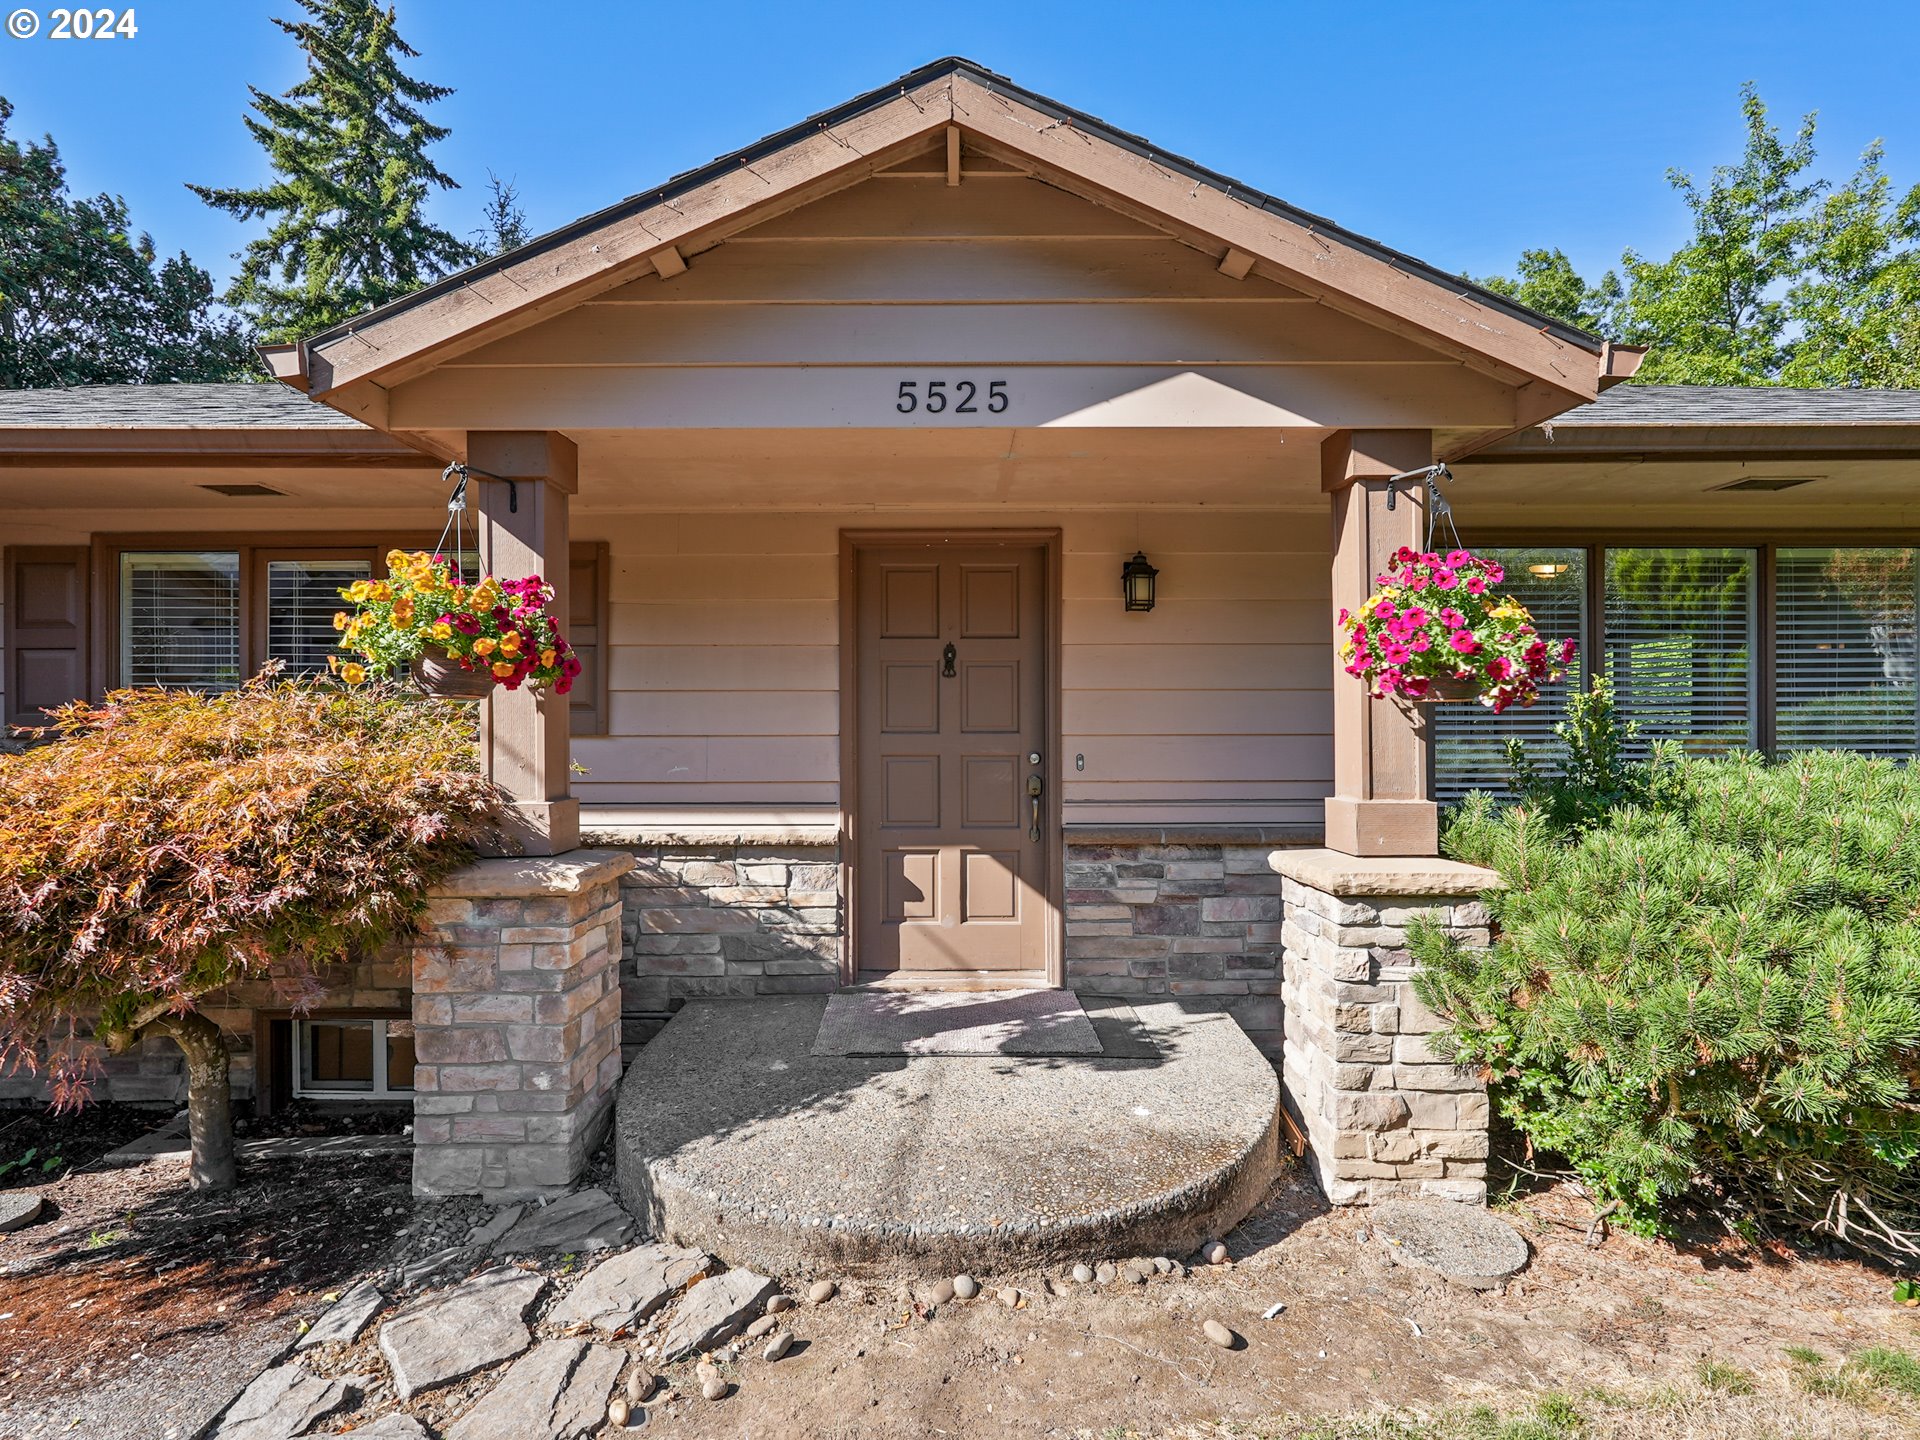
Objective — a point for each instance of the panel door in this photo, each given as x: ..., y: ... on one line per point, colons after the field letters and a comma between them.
x: 952, y: 845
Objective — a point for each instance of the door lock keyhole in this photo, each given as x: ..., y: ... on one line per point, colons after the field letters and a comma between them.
x: 946, y: 660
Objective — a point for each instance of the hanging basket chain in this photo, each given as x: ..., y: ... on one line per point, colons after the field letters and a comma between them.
x: 456, y: 525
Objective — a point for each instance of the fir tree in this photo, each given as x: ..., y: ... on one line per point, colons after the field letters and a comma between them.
x: 505, y: 226
x: 348, y: 145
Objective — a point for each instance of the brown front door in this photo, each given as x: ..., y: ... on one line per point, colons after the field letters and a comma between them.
x: 952, y: 845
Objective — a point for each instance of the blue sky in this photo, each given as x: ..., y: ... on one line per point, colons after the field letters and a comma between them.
x: 1458, y: 132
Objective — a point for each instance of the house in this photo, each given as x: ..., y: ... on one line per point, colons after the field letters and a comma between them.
x: 836, y: 449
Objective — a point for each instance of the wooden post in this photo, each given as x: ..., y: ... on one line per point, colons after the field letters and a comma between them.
x: 524, y: 741
x: 1381, y: 802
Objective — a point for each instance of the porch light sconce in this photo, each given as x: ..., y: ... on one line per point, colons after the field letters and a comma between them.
x: 1548, y: 570
x: 1136, y: 582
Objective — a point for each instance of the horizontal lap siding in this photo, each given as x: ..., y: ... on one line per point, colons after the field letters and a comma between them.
x: 725, y: 662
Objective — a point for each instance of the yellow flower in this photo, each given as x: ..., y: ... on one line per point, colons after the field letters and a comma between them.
x: 353, y: 674
x: 380, y: 590
x: 502, y: 670
x: 484, y: 646
x: 359, y: 590
x: 397, y: 559
x: 510, y: 644
x: 340, y: 619
x: 442, y: 631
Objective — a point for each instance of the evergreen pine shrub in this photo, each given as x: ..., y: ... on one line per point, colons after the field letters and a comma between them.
x: 1711, y: 989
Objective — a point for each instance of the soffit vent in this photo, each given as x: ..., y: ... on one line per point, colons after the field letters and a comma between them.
x: 243, y: 491
x: 1770, y: 483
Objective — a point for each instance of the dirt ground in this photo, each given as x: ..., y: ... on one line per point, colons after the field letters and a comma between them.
x: 141, y: 1305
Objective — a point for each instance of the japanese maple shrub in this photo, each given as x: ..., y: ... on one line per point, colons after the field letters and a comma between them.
x: 170, y: 843
x: 1707, y: 989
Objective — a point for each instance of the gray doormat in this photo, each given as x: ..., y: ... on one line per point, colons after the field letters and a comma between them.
x: 955, y: 1022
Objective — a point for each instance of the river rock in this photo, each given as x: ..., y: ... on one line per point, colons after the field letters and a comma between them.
x: 19, y: 1209
x: 1082, y: 1275
x: 712, y: 1311
x: 458, y: 1331
x: 779, y: 1304
x: 558, y: 1391
x: 778, y: 1345
x: 619, y: 1412
x: 624, y: 1290
x: 640, y: 1383
x: 586, y: 1220
x: 1009, y: 1296
x: 821, y: 1292
x: 345, y: 1318
x: 965, y: 1287
x: 941, y: 1292
x: 765, y: 1325
x: 1462, y: 1242
x: 1214, y: 1252
x: 1106, y: 1273
x: 286, y: 1400
x: 1219, y: 1334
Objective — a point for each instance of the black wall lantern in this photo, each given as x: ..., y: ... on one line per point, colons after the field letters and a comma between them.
x: 1136, y: 582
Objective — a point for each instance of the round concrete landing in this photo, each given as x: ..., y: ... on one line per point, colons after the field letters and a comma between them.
x: 732, y: 1135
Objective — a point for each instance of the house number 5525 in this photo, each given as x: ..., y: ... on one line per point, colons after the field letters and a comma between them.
x: 950, y: 397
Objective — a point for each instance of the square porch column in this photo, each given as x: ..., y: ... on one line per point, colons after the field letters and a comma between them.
x: 522, y: 519
x: 1381, y: 802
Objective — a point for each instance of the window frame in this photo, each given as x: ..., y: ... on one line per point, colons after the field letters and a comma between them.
x: 254, y: 550
x: 1766, y: 544
x: 380, y: 1090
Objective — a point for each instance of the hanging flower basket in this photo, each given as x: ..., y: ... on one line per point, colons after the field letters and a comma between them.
x: 458, y: 640
x: 443, y: 677
x: 1437, y: 630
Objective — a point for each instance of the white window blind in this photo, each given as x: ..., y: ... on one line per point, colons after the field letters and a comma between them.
x: 1469, y: 741
x: 180, y: 619
x: 302, y: 598
x: 1844, y: 650
x: 1679, y: 645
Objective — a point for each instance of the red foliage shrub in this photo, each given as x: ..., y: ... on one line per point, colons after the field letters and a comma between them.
x: 170, y: 843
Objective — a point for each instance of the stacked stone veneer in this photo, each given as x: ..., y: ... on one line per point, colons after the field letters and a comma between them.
x: 1194, y: 914
x: 154, y: 1072
x: 707, y: 917
x: 516, y: 1012
x: 1386, y: 1116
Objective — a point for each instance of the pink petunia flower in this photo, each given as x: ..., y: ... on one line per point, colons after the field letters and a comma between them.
x: 1476, y: 585
x: 1457, y: 558
x: 1463, y: 642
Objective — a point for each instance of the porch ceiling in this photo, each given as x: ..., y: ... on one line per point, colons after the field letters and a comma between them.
x: 1641, y: 493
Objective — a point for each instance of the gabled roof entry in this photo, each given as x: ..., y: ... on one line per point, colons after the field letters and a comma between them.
x: 649, y: 233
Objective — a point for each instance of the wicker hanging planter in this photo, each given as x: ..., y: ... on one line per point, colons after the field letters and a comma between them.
x: 441, y: 676
x: 1449, y: 690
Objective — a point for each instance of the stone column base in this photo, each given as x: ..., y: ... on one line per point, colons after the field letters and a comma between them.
x: 516, y: 1015
x: 1386, y: 1116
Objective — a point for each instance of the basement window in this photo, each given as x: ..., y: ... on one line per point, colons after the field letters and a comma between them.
x: 341, y: 1059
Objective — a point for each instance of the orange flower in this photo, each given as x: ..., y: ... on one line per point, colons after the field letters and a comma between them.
x: 501, y: 669
x: 485, y: 645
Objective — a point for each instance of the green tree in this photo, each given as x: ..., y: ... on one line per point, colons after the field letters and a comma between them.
x: 1857, y: 305
x: 348, y: 145
x: 1715, y: 311
x: 503, y: 222
x: 1786, y: 280
x: 1545, y: 280
x: 86, y: 301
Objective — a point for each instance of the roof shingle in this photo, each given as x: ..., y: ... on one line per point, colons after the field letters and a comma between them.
x: 240, y: 406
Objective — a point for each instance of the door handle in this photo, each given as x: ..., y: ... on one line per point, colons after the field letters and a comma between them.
x: 1035, y: 788
x: 947, y: 658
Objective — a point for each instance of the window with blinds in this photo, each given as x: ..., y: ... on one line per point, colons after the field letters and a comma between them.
x: 1844, y: 624
x: 1469, y: 741
x: 1679, y: 626
x: 180, y: 619
x: 302, y: 599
